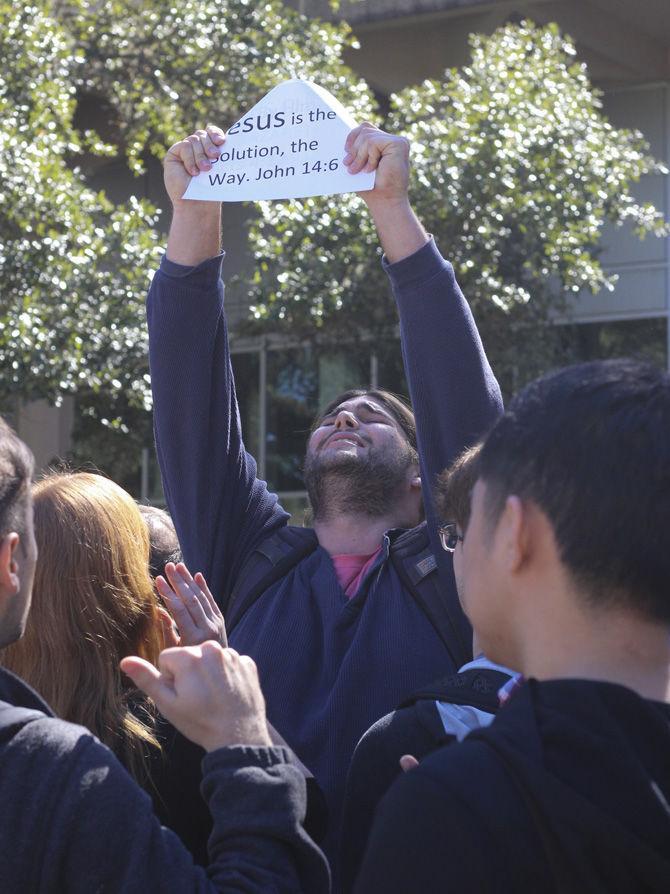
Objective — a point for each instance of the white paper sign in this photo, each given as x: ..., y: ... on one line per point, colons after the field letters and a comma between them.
x: 289, y: 146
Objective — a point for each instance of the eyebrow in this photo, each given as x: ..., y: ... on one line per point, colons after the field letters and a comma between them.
x: 372, y: 408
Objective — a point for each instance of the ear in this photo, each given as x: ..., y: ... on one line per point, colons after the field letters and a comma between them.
x: 415, y: 482
x: 10, y: 582
x: 513, y: 525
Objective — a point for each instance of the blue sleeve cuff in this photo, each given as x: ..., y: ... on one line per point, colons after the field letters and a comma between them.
x: 240, y: 756
x: 423, y: 265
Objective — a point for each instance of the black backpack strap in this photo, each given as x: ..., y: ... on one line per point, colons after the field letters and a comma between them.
x: 415, y: 562
x: 477, y: 687
x: 273, y: 558
x: 14, y: 718
x: 411, y: 555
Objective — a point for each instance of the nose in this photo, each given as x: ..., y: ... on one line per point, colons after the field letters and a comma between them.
x: 345, y: 419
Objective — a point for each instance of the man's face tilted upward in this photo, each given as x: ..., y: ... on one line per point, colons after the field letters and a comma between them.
x: 358, y: 460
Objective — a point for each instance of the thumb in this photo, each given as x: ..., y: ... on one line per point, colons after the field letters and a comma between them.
x: 144, y: 675
x: 408, y: 762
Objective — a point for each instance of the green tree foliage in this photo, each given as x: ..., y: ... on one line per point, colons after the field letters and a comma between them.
x: 72, y: 266
x: 516, y: 171
x: 165, y: 67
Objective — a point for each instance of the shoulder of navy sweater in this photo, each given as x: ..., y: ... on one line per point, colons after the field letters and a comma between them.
x: 418, y: 268
x: 204, y: 275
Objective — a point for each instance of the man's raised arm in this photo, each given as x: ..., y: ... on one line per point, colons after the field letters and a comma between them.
x: 454, y: 393
x: 220, y: 509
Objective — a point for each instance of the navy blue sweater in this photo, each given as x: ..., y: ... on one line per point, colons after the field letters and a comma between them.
x: 72, y: 819
x: 329, y: 666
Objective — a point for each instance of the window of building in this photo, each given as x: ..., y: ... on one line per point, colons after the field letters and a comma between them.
x: 643, y: 339
x: 280, y: 391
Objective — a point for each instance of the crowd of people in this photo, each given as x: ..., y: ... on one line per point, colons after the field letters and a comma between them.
x: 457, y: 679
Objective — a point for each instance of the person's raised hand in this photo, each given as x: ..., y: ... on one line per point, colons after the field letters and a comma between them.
x: 192, y: 606
x: 210, y: 694
x: 189, y: 157
x: 370, y: 149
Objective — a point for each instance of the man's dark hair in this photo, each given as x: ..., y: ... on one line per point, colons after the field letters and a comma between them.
x: 163, y: 543
x: 590, y: 446
x: 395, y: 405
x: 16, y: 472
x: 455, y: 485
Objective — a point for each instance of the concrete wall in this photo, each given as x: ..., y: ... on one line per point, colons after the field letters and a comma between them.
x: 46, y: 429
x: 642, y: 266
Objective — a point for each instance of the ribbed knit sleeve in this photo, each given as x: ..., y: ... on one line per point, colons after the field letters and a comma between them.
x: 74, y: 820
x: 220, y: 508
x: 454, y: 393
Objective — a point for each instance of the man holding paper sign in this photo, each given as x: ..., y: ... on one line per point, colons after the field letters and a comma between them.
x: 340, y: 623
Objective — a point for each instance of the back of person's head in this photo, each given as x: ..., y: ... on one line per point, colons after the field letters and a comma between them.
x: 163, y: 542
x: 93, y: 604
x: 396, y: 406
x: 589, y: 445
x: 16, y: 470
x: 455, y: 486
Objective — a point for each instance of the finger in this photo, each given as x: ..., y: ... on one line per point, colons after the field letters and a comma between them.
x: 144, y: 675
x: 170, y: 635
x: 353, y: 135
x: 209, y: 147
x: 201, y: 584
x: 216, y: 135
x: 351, y: 138
x: 188, y: 157
x: 360, y: 152
x: 182, y: 153
x: 231, y: 657
x: 249, y: 665
x: 218, y: 664
x: 201, y: 161
x: 216, y: 617
x: 408, y: 762
x: 178, y: 609
x: 374, y: 157
x: 184, y: 574
x: 358, y: 145
x: 190, y: 593
x: 172, y: 661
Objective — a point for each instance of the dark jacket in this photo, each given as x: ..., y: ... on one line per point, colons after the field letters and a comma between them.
x: 415, y: 728
x: 72, y: 820
x: 174, y: 785
x: 567, y: 791
x: 329, y: 666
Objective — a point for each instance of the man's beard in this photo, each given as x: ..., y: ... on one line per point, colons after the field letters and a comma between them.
x: 342, y: 484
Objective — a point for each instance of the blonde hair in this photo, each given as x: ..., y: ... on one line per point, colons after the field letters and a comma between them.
x: 93, y: 604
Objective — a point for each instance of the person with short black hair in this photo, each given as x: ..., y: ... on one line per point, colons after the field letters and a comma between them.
x: 565, y: 576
